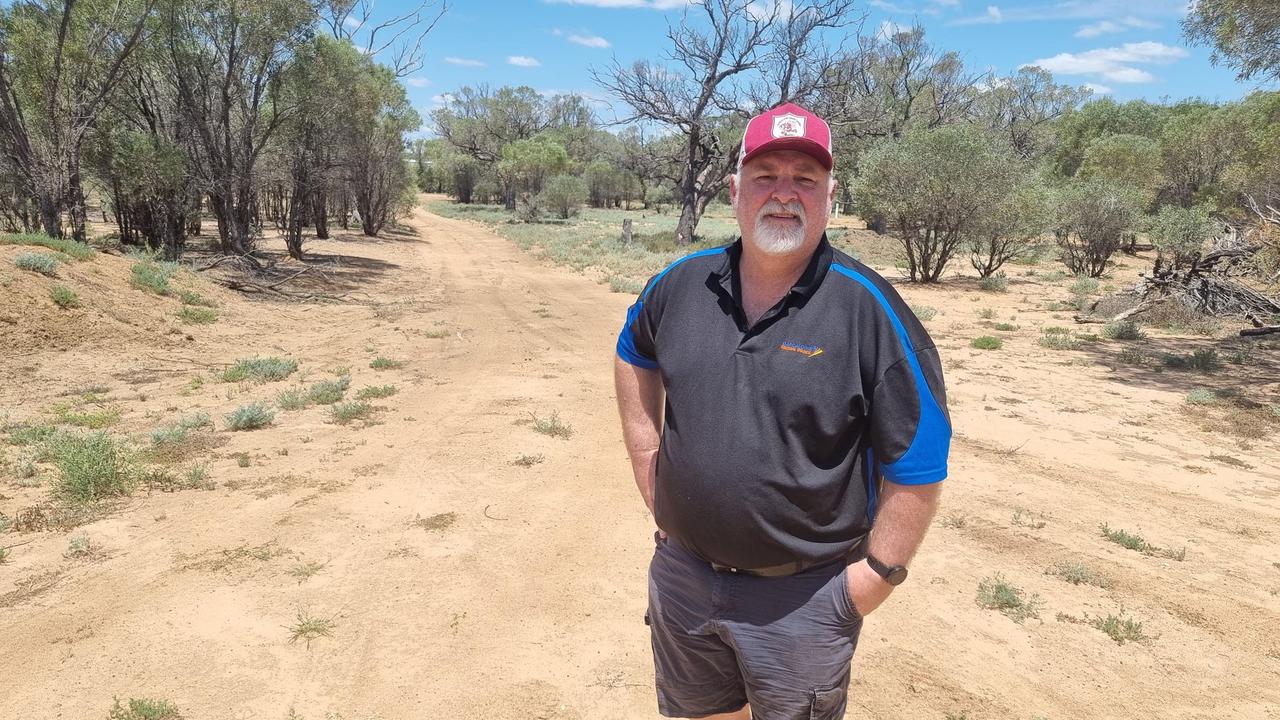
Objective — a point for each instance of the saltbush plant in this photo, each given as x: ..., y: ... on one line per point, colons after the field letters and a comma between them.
x: 42, y: 263
x: 249, y: 417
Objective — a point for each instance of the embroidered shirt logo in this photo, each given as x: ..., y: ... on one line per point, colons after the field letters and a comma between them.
x: 805, y: 350
x: 788, y: 125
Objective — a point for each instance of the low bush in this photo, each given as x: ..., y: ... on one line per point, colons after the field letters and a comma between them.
x: 987, y: 342
x: 375, y: 391
x: 90, y: 466
x: 1122, y: 330
x: 153, y: 275
x: 42, y: 263
x: 197, y: 315
x: 249, y: 417
x: 381, y: 363
x: 144, y: 709
x: 998, y: 282
x: 329, y: 391
x: 258, y: 369
x: 924, y: 312
x: 345, y: 412
x: 994, y: 593
x: 64, y: 297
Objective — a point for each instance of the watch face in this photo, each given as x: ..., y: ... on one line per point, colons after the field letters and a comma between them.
x: 896, y: 575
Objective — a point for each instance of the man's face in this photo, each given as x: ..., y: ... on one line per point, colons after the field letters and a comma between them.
x: 782, y: 200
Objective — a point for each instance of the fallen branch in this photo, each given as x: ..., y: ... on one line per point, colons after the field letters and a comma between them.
x: 1265, y: 330
x: 1140, y: 308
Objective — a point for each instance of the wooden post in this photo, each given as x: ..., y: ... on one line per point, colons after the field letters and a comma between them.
x: 626, y: 231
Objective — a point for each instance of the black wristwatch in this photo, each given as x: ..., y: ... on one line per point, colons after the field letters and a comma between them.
x: 892, y: 574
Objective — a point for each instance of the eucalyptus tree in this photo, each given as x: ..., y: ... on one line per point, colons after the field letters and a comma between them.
x: 227, y: 61
x: 59, y: 62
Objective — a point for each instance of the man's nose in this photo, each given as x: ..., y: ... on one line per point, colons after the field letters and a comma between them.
x: 784, y: 190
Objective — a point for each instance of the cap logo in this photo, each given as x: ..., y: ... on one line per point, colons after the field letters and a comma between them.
x: 788, y: 125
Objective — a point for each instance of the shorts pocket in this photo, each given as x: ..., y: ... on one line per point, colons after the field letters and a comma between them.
x: 844, y: 602
x: 827, y: 704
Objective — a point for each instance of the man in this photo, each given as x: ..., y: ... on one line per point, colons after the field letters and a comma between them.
x: 786, y: 421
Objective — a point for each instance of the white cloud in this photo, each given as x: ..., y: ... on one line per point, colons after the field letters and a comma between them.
x: 522, y: 61
x: 464, y: 62
x: 948, y: 3
x: 350, y: 22
x: 1101, y: 27
x: 1140, y: 13
x: 650, y: 4
x: 418, y: 82
x: 442, y: 98
x: 1114, y: 63
x: 769, y: 8
x: 993, y: 15
x: 591, y: 41
x: 1098, y: 89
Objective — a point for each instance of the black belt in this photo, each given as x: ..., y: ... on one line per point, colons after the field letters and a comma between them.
x: 791, y: 568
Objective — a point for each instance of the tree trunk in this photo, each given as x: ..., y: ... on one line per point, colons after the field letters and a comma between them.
x: 77, y: 213
x: 50, y: 216
x: 319, y: 214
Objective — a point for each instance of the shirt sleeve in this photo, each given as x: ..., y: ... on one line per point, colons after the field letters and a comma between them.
x: 636, y: 341
x: 910, y: 427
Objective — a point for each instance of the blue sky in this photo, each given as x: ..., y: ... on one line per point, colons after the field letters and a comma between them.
x: 1126, y: 49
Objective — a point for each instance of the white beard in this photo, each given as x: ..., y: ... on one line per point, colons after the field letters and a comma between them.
x: 774, y: 237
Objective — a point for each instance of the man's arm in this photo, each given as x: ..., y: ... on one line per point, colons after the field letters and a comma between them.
x: 900, y: 526
x: 640, y: 397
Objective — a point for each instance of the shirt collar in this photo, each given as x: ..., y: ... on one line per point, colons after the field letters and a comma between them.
x: 806, y: 285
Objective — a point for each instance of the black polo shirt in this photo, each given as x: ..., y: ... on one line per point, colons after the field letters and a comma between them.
x: 776, y: 436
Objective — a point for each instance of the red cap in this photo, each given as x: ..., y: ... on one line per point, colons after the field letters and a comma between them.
x: 787, y: 127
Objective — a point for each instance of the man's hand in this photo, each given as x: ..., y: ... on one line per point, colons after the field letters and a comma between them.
x: 866, y: 588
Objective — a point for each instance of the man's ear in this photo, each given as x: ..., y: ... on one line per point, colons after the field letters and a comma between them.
x: 831, y: 196
x: 733, y: 189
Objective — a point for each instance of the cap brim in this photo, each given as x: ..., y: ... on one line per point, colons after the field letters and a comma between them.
x: 798, y: 144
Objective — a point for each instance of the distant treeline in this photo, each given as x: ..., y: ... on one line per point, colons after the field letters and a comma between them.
x: 948, y: 159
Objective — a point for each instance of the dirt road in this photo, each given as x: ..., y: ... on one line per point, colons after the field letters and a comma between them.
x: 461, y: 584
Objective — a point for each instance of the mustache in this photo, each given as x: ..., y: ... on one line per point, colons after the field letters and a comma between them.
x: 773, y: 206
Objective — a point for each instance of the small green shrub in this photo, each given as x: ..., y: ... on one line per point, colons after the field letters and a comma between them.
x: 987, y: 342
x: 4, y: 555
x: 1058, y: 340
x: 527, y: 460
x: 329, y: 392
x: 23, y: 435
x: 987, y: 313
x: 309, y: 628
x: 1132, y: 356
x: 620, y: 284
x: 1004, y: 327
x: 94, y: 420
x: 1078, y: 574
x: 152, y: 275
x: 376, y: 391
x: 144, y: 709
x: 79, y: 546
x: 42, y: 263
x: 249, y: 417
x: 996, y: 594
x: 1120, y: 628
x: 90, y: 466
x: 1204, y: 360
x: 345, y: 412
x: 924, y: 312
x: 292, y: 399
x: 197, y: 315
x: 1202, y: 396
x: 267, y: 369
x: 552, y: 426
x: 1054, y: 276
x: 998, y: 282
x: 1084, y: 286
x: 1123, y: 330
x: 381, y: 363
x: 1125, y: 539
x: 189, y: 297
x: 64, y: 297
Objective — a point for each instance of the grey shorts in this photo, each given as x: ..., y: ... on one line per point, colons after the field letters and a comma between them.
x: 722, y: 640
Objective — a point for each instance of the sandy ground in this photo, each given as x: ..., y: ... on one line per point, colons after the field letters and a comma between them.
x: 462, y: 585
